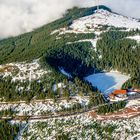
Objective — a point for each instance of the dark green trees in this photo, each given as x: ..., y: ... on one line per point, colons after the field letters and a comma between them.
x: 8, y: 131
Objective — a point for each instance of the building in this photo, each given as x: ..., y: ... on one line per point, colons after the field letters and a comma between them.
x: 118, y: 95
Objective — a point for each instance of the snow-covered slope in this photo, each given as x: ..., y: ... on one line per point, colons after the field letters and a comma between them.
x: 23, y: 71
x: 103, y: 17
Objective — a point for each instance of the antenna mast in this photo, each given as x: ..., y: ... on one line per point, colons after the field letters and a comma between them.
x: 98, y: 7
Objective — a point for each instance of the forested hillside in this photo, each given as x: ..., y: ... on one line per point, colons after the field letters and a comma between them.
x: 33, y: 45
x: 120, y: 53
x: 77, y: 59
x: 49, y: 78
x: 8, y: 131
x: 74, y: 51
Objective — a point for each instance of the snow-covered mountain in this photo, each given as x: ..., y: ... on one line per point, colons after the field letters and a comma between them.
x: 53, y: 117
x: 104, y: 17
x: 95, y: 22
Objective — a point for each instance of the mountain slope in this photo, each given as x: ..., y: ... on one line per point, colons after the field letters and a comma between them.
x: 33, y: 45
x: 45, y: 75
x: 104, y: 35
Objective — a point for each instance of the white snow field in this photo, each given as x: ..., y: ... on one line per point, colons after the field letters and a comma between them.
x: 104, y: 17
x: 136, y: 37
x: 108, y: 81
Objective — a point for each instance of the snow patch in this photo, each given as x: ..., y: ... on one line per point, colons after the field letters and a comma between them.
x: 57, y: 86
x: 136, y: 37
x: 93, y: 42
x: 53, y: 32
x: 65, y: 73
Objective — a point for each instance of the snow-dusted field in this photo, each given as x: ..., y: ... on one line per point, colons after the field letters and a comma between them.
x: 81, y: 127
x: 39, y: 108
x: 108, y: 81
x: 23, y: 71
x: 127, y: 129
x: 103, y: 17
x: 133, y: 103
x: 64, y: 72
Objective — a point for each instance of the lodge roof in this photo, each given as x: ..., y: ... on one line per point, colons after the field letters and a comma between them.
x: 119, y: 92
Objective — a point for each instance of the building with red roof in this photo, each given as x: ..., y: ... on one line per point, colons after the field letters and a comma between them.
x: 117, y: 95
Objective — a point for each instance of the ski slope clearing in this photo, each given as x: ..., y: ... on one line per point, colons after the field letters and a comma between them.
x: 93, y: 42
x: 107, y: 82
x: 136, y: 37
x: 103, y: 17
